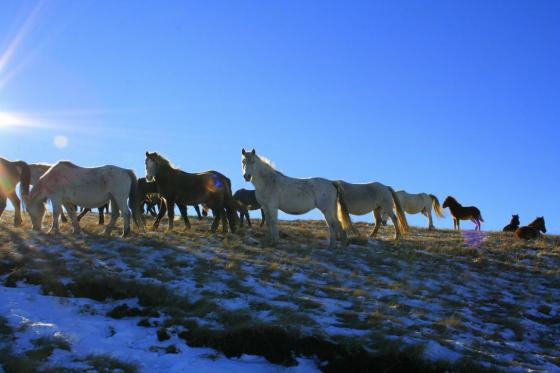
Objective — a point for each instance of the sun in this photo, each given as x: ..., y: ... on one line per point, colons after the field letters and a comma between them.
x: 11, y: 120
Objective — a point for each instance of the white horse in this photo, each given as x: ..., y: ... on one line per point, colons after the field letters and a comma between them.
x: 38, y: 170
x: 419, y: 203
x: 275, y: 191
x: 364, y: 198
x: 66, y: 184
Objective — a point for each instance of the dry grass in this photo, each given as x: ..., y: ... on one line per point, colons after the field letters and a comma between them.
x: 439, y: 285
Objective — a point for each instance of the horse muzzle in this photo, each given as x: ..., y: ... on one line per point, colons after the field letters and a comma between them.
x: 247, y: 177
x: 150, y: 179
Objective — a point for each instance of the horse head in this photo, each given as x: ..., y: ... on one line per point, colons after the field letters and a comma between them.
x: 247, y: 163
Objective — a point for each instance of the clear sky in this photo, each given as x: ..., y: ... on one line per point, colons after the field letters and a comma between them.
x: 446, y: 97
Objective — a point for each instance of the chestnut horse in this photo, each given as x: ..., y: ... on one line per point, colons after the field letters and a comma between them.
x: 532, y: 230
x: 458, y: 212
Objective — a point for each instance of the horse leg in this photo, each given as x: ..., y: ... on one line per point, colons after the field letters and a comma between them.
x: 241, y: 217
x: 72, y: 214
x: 63, y: 216
x: 57, y: 209
x: 162, y: 211
x: 101, y: 218
x: 271, y: 214
x: 458, y: 224
x: 224, y: 221
x: 18, y: 221
x: 3, y: 203
x: 183, y: 210
x: 248, y: 218
x: 112, y: 220
x: 428, y: 213
x: 395, y: 221
x: 216, y: 221
x: 123, y: 207
x: 170, y: 214
x: 82, y: 214
x: 262, y: 218
x: 197, y: 209
x: 335, y: 228
x: 378, y: 221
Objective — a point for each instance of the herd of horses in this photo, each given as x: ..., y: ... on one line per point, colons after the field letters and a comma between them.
x: 68, y: 186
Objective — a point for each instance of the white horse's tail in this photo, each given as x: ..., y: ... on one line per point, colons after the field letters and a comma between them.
x: 342, y: 209
x: 134, y: 201
x: 437, y: 206
x: 401, y: 217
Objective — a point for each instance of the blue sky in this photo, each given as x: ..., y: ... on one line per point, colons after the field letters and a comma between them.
x: 458, y: 98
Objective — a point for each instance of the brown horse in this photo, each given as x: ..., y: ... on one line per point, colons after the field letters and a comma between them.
x: 458, y: 212
x: 210, y: 188
x: 12, y: 173
x: 532, y: 230
x: 247, y: 202
x: 513, y: 224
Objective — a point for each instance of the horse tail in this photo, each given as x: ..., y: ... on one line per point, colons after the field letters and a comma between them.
x: 134, y: 201
x: 480, y: 217
x: 401, y: 217
x: 437, y: 206
x: 342, y: 209
x: 24, y: 177
x: 230, y: 205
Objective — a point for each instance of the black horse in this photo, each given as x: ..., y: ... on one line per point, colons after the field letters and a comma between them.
x: 12, y: 173
x: 513, y: 224
x: 175, y: 186
x: 151, y: 199
x: 248, y: 202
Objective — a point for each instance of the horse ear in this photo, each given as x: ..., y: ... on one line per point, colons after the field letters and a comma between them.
x: 253, y: 151
x: 147, y: 153
x: 243, y: 151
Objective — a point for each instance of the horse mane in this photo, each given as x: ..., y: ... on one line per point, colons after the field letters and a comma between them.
x: 164, y: 161
x: 267, y: 162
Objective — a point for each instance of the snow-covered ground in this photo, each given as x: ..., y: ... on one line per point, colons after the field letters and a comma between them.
x: 495, y: 302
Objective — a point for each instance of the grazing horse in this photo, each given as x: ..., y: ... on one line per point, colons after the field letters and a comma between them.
x: 532, y: 230
x: 274, y: 191
x: 68, y: 185
x: 418, y: 203
x: 39, y: 169
x: 12, y: 173
x: 176, y: 186
x: 248, y: 202
x: 375, y: 197
x: 458, y: 212
x: 513, y: 224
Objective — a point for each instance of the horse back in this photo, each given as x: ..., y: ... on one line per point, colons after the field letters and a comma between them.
x: 527, y: 233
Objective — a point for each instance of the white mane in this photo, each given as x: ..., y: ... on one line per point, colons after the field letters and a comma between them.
x: 269, y: 163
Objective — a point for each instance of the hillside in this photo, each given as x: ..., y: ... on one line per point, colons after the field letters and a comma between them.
x: 193, y: 301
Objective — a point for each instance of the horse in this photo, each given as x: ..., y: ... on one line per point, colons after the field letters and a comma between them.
x: 182, y: 188
x: 12, y: 173
x: 68, y: 185
x: 39, y: 169
x: 418, y: 203
x: 458, y: 212
x: 248, y: 203
x: 513, y: 224
x: 532, y: 230
x: 275, y: 191
x: 375, y: 197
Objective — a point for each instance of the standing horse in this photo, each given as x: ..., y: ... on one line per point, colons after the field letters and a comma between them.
x: 458, y: 212
x: 418, y: 203
x: 532, y: 230
x: 68, y: 185
x: 150, y: 197
x: 248, y: 202
x: 375, y: 197
x: 513, y: 224
x: 176, y: 186
x: 12, y: 173
x: 39, y: 169
x: 275, y: 191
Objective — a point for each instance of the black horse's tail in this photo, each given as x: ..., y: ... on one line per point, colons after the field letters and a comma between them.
x: 24, y: 178
x: 134, y: 201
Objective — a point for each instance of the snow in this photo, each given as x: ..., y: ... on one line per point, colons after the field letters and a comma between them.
x: 34, y: 315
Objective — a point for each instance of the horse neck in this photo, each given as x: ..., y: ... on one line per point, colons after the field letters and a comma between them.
x: 535, y: 224
x: 263, y: 174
